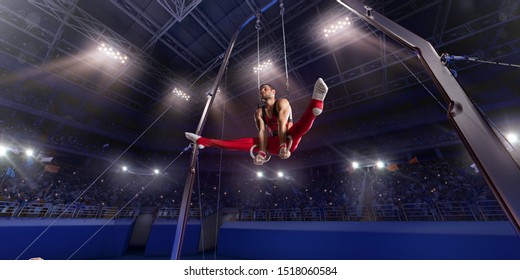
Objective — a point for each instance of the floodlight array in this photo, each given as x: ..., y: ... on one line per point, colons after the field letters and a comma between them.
x: 181, y: 94
x: 263, y: 66
x: 113, y: 53
x: 336, y: 27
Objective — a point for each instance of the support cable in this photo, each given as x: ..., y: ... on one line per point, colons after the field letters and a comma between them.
x: 447, y: 59
x: 495, y: 162
x: 183, y: 214
x: 409, y: 70
x: 220, y: 170
x: 258, y: 28
x: 93, y: 182
x: 112, y: 163
x: 282, y: 12
x: 201, y: 212
x: 130, y: 201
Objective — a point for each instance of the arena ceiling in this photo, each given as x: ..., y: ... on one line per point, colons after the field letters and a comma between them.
x: 54, y: 79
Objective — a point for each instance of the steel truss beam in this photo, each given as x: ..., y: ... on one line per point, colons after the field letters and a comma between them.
x: 67, y: 15
x: 54, y: 43
x: 246, y: 86
x: 46, y: 115
x: 179, y: 8
x: 94, y: 30
x: 390, y: 86
x: 291, y: 13
x: 210, y: 28
x: 158, y: 32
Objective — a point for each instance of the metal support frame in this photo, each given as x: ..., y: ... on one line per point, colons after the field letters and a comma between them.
x: 58, y: 34
x: 493, y: 159
x: 188, y: 187
x: 211, y: 29
x: 158, y: 32
x: 244, y: 87
x: 85, y: 24
x: 179, y: 8
x: 250, y: 40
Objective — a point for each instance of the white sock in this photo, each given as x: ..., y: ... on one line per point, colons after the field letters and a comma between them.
x: 320, y: 90
x: 193, y: 137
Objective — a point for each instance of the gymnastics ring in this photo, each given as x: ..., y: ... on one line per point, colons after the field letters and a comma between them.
x: 268, y: 154
x: 253, y: 155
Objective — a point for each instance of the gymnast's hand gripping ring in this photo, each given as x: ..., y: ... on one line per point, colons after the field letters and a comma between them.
x: 269, y: 154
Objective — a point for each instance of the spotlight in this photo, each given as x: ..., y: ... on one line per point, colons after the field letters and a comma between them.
x: 355, y: 165
x: 113, y: 53
x: 259, y: 174
x: 3, y: 151
x: 124, y: 168
x: 156, y: 171
x: 512, y: 138
x: 280, y: 174
x: 29, y: 152
x: 380, y: 164
x: 181, y: 94
x: 264, y: 66
x: 338, y: 26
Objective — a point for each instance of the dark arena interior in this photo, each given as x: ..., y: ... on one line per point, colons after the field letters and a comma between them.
x: 96, y: 97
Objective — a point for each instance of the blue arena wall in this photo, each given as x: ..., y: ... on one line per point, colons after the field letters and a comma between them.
x: 61, y: 238
x: 266, y: 240
x: 162, y: 233
x: 369, y: 240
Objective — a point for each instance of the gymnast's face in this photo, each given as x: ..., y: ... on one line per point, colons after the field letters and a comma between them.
x: 267, y: 91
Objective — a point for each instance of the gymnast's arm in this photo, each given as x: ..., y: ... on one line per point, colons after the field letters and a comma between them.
x: 262, y: 134
x: 284, y: 111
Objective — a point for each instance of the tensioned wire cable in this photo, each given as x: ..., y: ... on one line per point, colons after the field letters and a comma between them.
x: 110, y: 166
x: 282, y: 12
x: 407, y: 68
x: 185, y: 149
x: 200, y: 209
x: 220, y: 170
x: 258, y: 27
x: 142, y: 189
x: 130, y: 201
x: 95, y: 180
x: 482, y: 113
x: 420, y: 82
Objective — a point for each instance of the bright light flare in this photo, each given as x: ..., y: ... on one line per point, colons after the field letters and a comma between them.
x: 336, y: 27
x: 259, y: 174
x: 181, y: 94
x: 3, y: 151
x: 156, y: 171
x: 113, y: 53
x: 512, y: 138
x: 29, y: 152
x: 355, y: 165
x: 124, y: 168
x: 263, y: 66
x: 280, y: 174
x: 380, y: 164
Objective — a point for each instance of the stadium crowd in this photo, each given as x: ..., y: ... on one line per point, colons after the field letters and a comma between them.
x: 429, y: 181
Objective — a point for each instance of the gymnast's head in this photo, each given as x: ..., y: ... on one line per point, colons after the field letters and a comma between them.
x: 267, y: 91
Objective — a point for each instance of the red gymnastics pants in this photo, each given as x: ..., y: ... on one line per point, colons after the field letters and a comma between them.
x: 273, y: 142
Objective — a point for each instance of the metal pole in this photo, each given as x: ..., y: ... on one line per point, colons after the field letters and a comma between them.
x: 491, y: 156
x: 188, y: 186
